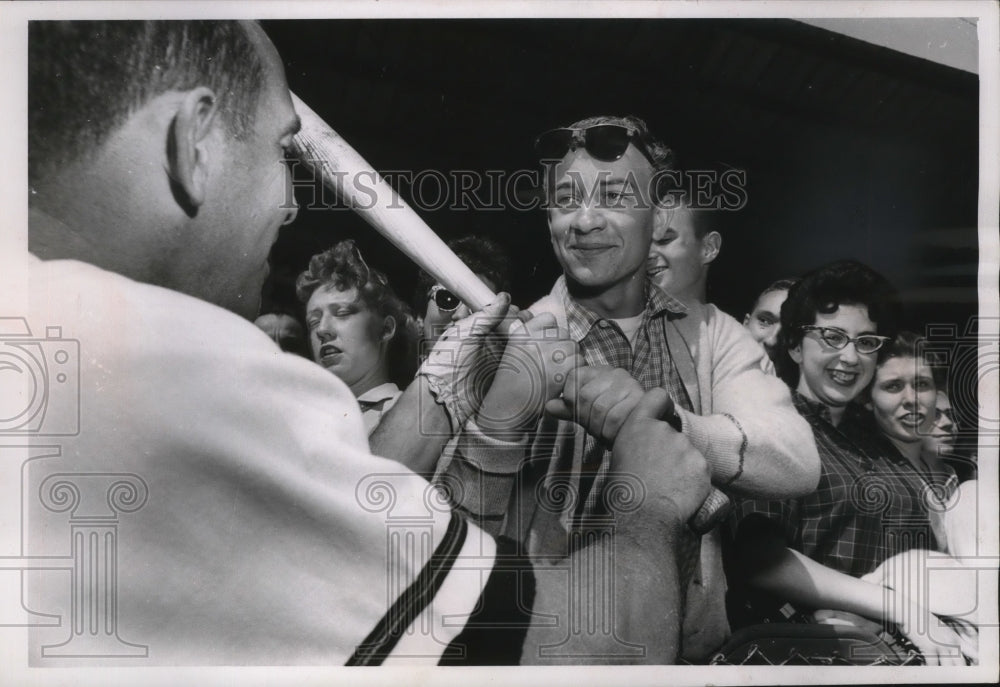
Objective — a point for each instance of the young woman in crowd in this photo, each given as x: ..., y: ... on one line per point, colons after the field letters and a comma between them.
x: 438, y: 307
x: 358, y: 328
x: 902, y: 398
x: 904, y: 403
x: 870, y: 503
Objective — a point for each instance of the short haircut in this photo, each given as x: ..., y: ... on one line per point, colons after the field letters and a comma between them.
x: 86, y: 77
x: 703, y: 220
x: 343, y: 268
x: 824, y: 290
x: 482, y: 255
x: 779, y: 285
x: 662, y: 156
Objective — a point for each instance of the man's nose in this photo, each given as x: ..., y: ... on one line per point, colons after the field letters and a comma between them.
x: 772, y: 338
x: 291, y: 212
x: 460, y: 312
x: 588, y: 218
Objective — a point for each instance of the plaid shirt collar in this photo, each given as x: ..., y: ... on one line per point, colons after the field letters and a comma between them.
x: 580, y: 320
x: 808, y: 408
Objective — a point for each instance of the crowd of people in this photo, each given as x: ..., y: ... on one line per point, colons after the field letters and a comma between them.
x: 735, y: 473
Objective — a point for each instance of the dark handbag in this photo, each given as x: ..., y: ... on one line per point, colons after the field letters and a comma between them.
x: 815, y: 644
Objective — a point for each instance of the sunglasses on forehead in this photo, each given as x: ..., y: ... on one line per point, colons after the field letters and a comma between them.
x: 604, y: 142
x: 444, y: 299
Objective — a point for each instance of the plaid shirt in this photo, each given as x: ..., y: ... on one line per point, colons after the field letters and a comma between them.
x: 602, y: 342
x: 870, y: 504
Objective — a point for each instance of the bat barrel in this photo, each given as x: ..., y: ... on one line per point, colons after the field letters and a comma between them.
x: 342, y: 169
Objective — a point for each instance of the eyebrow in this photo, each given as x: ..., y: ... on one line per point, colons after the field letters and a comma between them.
x: 616, y: 181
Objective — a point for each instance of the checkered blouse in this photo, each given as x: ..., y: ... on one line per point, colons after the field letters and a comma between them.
x: 871, y: 502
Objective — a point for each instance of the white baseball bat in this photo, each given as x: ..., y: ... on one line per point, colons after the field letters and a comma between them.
x: 342, y: 169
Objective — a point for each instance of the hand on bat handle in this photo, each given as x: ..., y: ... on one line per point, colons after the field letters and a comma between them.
x: 460, y: 365
x: 604, y: 400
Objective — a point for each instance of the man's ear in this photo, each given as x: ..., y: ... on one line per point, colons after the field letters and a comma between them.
x: 388, y: 328
x: 711, y: 244
x: 796, y: 354
x: 187, y: 149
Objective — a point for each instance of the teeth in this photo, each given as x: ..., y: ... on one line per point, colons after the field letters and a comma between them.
x: 841, y: 377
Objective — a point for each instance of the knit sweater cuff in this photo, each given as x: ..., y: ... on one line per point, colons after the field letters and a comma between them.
x: 721, y: 440
x: 488, y: 453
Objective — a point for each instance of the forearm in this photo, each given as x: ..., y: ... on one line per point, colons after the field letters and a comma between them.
x: 636, y: 592
x: 946, y: 586
x: 752, y: 410
x: 754, y: 454
x: 801, y: 580
x: 414, y: 431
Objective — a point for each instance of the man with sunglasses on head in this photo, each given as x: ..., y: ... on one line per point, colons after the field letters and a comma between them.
x: 258, y: 527
x: 602, y: 177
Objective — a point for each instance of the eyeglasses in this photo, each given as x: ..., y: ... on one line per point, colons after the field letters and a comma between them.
x: 605, y: 142
x: 836, y: 338
x: 444, y: 299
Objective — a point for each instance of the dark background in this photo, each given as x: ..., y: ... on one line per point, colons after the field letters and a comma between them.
x: 850, y: 149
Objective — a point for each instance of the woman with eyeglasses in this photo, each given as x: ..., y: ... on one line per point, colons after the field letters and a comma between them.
x: 438, y: 307
x: 358, y: 328
x: 809, y: 553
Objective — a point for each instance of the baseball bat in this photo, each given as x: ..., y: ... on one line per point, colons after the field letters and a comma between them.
x: 338, y: 165
x: 343, y: 169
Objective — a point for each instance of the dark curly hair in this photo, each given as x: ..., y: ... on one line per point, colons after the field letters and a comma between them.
x: 823, y: 290
x: 343, y: 267
x: 483, y: 256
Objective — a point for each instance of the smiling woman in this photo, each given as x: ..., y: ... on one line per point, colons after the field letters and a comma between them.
x: 903, y: 395
x: 875, y: 494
